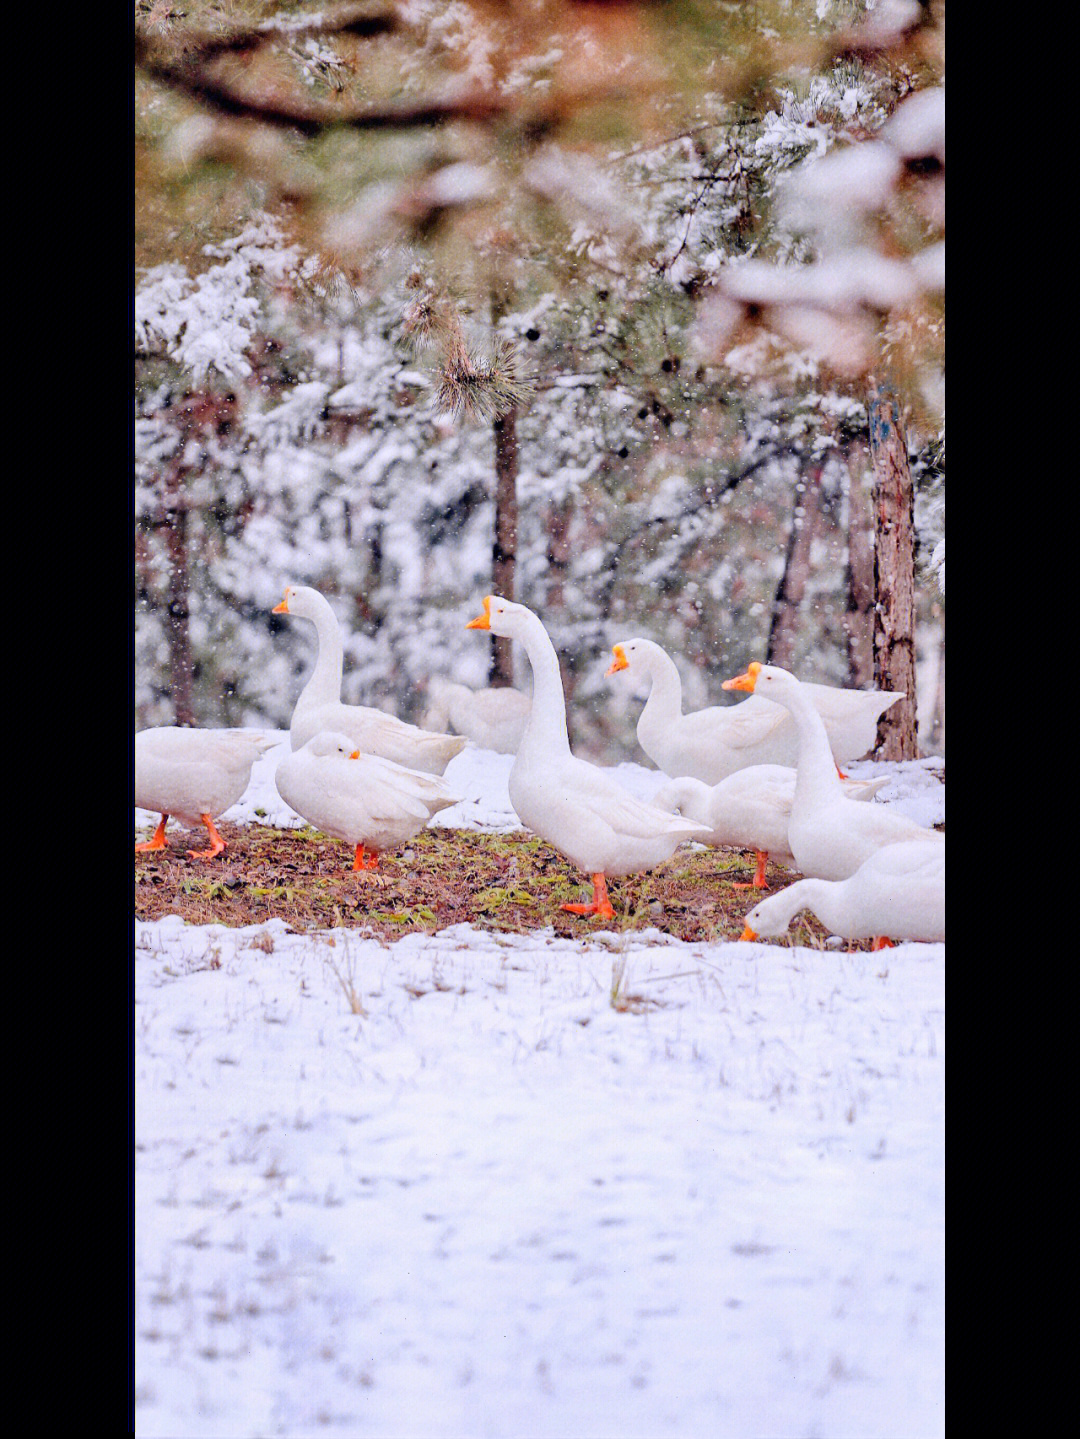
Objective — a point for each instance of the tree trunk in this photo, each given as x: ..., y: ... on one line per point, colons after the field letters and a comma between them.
x: 504, y: 554
x: 178, y: 603
x: 558, y: 561
x: 789, y: 595
x: 558, y: 552
x: 937, y: 714
x: 894, y: 574
x: 859, y: 616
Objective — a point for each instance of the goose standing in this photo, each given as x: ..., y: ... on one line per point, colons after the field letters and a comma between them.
x: 750, y: 810
x: 491, y: 718
x: 709, y: 744
x: 372, y: 803
x: 898, y: 893
x: 194, y: 775
x: 320, y: 706
x: 572, y: 804
x: 829, y: 834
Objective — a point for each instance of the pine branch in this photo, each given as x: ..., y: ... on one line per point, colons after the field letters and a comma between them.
x: 485, y: 391
x: 364, y: 19
x: 189, y: 67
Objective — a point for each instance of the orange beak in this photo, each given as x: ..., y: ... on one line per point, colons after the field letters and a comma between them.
x: 620, y: 662
x: 283, y: 608
x: 355, y: 754
x: 482, y: 622
x: 745, y: 681
x: 748, y: 933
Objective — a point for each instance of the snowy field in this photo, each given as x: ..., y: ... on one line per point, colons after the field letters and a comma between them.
x: 444, y: 1188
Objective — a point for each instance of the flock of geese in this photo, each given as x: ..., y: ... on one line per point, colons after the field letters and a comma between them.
x: 761, y: 775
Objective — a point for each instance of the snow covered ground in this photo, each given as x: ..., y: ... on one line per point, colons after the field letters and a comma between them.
x: 444, y: 1188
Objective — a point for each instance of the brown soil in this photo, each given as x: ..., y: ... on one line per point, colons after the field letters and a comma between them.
x: 508, y: 882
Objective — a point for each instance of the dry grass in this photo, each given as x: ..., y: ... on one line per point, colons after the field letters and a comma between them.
x: 511, y: 883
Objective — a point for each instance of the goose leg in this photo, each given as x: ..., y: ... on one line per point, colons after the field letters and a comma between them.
x: 361, y: 863
x: 158, y: 840
x: 880, y: 942
x: 758, y: 881
x: 601, y: 904
x: 217, y: 844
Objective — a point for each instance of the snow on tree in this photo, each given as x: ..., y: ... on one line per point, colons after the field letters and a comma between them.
x: 658, y: 479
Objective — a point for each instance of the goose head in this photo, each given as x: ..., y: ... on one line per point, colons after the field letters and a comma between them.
x: 761, y: 679
x: 329, y: 742
x: 299, y: 600
x: 747, y: 680
x: 624, y: 653
x: 502, y: 617
x: 762, y: 922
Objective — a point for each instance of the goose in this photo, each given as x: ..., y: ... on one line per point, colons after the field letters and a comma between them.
x: 709, y: 744
x: 491, y: 718
x: 749, y: 810
x: 371, y: 802
x: 829, y: 834
x: 194, y: 775
x: 898, y: 893
x: 570, y: 803
x: 320, y: 706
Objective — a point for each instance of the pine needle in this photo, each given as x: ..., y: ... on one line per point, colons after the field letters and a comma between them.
x: 482, y: 390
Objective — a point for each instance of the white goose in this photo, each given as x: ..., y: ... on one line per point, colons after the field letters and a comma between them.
x: 372, y: 803
x: 710, y: 744
x: 320, y: 706
x: 491, y: 718
x: 194, y: 775
x: 572, y: 804
x: 829, y: 834
x: 898, y: 893
x: 749, y: 810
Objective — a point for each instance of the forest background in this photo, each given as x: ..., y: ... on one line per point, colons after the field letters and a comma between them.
x: 604, y: 306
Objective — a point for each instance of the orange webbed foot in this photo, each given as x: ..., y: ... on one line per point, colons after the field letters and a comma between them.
x: 217, y: 844
x: 758, y: 881
x: 601, y: 904
x: 157, y: 840
x: 880, y: 942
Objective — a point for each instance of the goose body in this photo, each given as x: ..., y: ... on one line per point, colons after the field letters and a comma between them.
x: 371, y: 802
x: 709, y: 744
x: 898, y: 893
x: 491, y: 718
x: 750, y: 809
x: 570, y: 803
x: 829, y: 834
x: 320, y: 705
x: 194, y: 775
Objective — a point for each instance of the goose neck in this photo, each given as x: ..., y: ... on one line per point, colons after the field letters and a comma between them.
x: 816, y: 779
x: 665, y: 686
x: 804, y: 894
x: 325, y: 681
x: 546, y: 727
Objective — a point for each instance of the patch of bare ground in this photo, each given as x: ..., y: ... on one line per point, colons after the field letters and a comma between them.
x: 513, y: 883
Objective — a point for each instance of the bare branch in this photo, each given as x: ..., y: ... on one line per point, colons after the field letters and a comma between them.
x: 364, y: 20
x: 190, y: 68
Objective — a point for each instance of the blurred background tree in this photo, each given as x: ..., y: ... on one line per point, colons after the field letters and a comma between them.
x: 591, y: 303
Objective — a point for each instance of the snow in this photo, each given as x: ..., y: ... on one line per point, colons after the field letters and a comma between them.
x: 929, y: 265
x: 205, y: 323
x: 853, y: 277
x: 483, y: 1202
x: 825, y: 195
x: 917, y: 126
